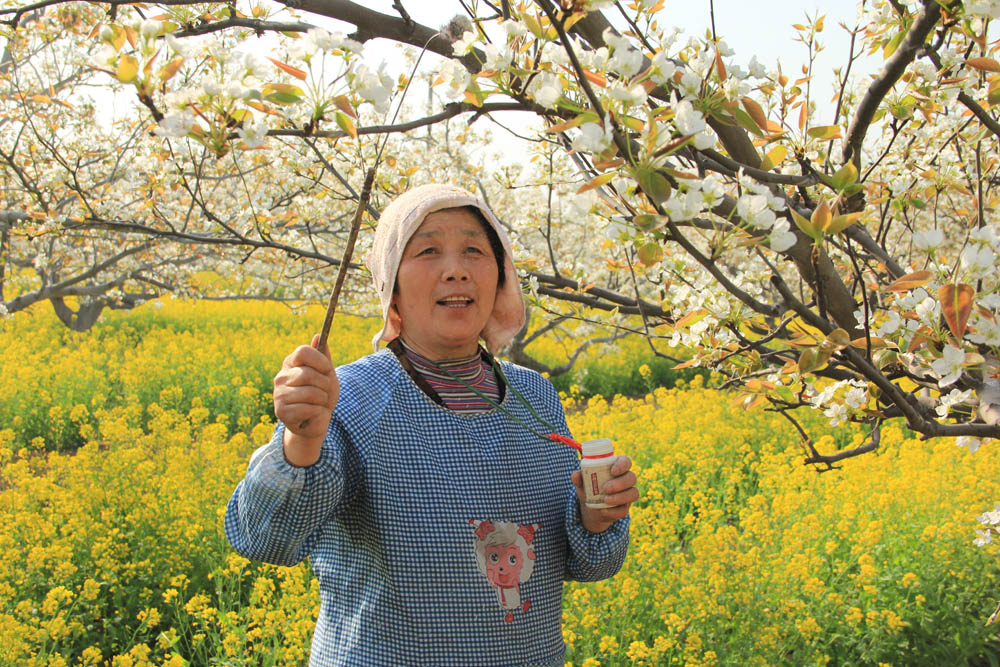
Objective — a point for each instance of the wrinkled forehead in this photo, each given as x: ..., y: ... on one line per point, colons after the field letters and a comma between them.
x: 446, y: 220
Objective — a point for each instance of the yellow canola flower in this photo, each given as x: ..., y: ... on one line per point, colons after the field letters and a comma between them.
x: 738, y: 555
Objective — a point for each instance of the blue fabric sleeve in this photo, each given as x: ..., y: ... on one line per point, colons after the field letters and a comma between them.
x: 278, y: 510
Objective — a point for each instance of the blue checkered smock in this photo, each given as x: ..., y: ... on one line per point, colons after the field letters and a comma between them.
x: 437, y: 538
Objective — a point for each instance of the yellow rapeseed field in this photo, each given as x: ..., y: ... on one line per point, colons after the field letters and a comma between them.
x: 120, y: 447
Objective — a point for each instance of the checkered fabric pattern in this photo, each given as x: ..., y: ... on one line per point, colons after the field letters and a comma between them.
x: 389, y: 517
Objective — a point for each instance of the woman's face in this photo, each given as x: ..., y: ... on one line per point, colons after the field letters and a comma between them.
x: 446, y: 285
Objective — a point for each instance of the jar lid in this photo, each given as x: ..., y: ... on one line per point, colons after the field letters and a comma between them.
x: 599, y: 447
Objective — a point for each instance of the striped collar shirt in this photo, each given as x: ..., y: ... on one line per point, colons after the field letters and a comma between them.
x: 452, y: 378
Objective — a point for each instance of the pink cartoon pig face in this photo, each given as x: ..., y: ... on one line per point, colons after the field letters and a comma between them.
x: 503, y: 564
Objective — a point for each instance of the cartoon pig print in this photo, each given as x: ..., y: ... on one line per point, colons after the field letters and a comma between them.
x: 505, y: 557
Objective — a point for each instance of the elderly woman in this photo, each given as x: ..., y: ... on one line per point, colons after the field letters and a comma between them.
x: 440, y: 522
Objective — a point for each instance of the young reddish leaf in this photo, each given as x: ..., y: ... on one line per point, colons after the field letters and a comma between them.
x: 171, y: 68
x: 596, y: 78
x: 910, y: 281
x: 128, y: 68
x: 566, y: 125
x: 756, y: 112
x: 804, y: 224
x: 838, y: 339
x: 131, y: 36
x: 473, y: 99
x: 691, y: 318
x: 825, y: 132
x: 821, y: 217
x: 720, y: 68
x: 774, y: 157
x: 842, y: 222
x: 346, y: 124
x: 597, y: 182
x: 984, y: 64
x: 294, y: 71
x: 956, y: 306
x: 809, y: 360
x: 344, y: 105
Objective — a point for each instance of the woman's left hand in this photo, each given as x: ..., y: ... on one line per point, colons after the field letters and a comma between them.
x: 619, y: 492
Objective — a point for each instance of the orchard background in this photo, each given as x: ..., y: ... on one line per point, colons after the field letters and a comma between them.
x: 733, y: 267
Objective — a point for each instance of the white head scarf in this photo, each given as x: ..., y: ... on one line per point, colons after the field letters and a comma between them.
x: 397, y: 224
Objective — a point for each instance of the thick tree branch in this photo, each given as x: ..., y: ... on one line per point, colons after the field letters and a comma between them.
x: 894, y: 68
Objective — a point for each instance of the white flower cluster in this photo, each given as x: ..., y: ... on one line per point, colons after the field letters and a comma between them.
x: 317, y: 40
x: 853, y: 395
x: 991, y: 520
x: 373, y: 85
x: 987, y: 8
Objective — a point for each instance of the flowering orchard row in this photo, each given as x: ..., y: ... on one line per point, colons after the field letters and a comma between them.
x: 114, y: 553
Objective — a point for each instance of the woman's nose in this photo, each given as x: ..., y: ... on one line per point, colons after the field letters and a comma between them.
x: 455, y: 270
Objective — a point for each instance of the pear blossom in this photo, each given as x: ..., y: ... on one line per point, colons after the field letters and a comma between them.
x: 176, y: 123
x: 374, y: 86
x: 514, y: 28
x: 949, y: 367
x: 983, y: 538
x: 891, y: 325
x: 782, y: 237
x: 837, y: 413
x: 989, y: 8
x: 986, y: 332
x: 753, y: 210
x: 554, y: 53
x: 662, y: 69
x: 690, y: 84
x: 968, y: 441
x: 462, y: 46
x: 210, y: 86
x: 546, y: 88
x: 497, y: 58
x: 856, y: 397
x: 978, y: 262
x: 703, y: 140
x: 254, y: 133
x: 150, y: 28
x: 455, y: 76
x: 990, y: 518
x: 626, y: 60
x: 687, y: 119
x: 928, y: 241
x: 634, y: 96
x: 593, y: 138
x: 952, y: 398
x: 756, y: 69
x: 686, y: 206
x: 105, y: 56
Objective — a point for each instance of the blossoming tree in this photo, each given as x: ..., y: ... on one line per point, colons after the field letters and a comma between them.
x: 828, y: 251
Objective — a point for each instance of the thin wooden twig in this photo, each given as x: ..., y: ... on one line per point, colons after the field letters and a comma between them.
x: 352, y: 238
x: 331, y: 308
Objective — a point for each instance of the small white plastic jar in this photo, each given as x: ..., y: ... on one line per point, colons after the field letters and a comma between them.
x: 595, y: 465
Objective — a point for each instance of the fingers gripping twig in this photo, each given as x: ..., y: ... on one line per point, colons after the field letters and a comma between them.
x: 352, y: 238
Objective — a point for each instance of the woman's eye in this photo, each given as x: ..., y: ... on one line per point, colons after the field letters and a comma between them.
x: 476, y: 250
x: 425, y: 251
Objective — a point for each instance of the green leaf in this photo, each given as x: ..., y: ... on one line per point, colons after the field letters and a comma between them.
x: 845, y: 176
x: 654, y: 184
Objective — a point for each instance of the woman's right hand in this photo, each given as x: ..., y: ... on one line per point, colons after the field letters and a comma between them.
x: 305, y: 392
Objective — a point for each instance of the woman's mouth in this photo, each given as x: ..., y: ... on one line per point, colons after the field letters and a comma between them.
x: 455, y: 301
